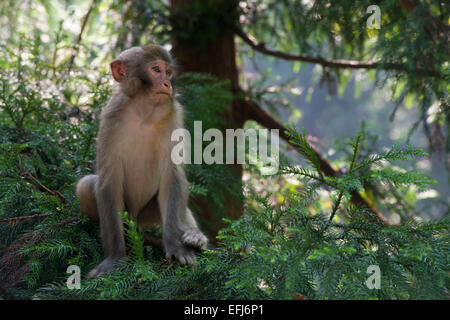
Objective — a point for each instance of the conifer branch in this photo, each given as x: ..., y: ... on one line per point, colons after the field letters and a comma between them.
x: 256, y: 113
x: 336, y: 205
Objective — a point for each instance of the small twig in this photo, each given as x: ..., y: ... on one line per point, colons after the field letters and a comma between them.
x: 37, y: 216
x: 55, y: 193
x: 336, y: 205
x: 78, y: 40
x: 63, y: 222
x: 19, y: 219
x: 299, y: 296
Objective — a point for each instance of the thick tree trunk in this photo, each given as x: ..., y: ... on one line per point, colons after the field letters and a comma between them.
x: 218, y: 58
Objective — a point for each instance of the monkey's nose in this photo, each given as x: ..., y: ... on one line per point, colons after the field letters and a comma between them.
x: 166, y: 84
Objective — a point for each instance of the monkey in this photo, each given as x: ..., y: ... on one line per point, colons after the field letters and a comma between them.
x: 134, y: 171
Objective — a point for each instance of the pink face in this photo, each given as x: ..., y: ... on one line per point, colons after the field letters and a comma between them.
x: 161, y: 74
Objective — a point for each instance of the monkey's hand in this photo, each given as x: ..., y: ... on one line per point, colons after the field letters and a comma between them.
x: 106, y: 265
x: 193, y: 237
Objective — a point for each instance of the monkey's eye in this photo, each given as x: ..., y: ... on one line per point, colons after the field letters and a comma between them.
x: 168, y: 72
x: 156, y: 69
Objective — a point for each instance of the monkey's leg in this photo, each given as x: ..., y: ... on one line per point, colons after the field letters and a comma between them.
x: 110, y: 202
x: 85, y: 192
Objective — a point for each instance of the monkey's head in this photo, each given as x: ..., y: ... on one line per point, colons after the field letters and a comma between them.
x: 145, y: 70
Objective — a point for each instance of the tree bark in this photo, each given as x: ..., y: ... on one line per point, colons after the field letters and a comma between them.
x: 219, y: 59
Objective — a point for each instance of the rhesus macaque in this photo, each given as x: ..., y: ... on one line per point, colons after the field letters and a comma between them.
x: 135, y: 172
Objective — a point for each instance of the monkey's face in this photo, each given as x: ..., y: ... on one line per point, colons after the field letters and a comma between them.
x: 142, y: 75
x: 160, y: 74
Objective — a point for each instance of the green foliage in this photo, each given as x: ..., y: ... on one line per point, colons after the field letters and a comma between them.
x: 288, y: 250
x: 411, y: 47
x: 274, y: 251
x: 134, y: 236
x: 271, y: 252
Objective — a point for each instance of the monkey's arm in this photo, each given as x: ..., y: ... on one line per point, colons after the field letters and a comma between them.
x: 172, y: 199
x: 180, y: 231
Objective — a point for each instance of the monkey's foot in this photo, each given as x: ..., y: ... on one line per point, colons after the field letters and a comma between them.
x: 106, y: 265
x: 193, y: 237
x: 185, y: 256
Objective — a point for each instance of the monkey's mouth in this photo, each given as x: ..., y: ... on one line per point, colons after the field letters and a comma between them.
x: 162, y: 92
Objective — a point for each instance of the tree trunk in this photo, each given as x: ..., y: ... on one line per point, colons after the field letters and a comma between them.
x: 217, y: 57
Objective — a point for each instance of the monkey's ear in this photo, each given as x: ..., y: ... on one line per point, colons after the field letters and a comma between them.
x: 119, y: 70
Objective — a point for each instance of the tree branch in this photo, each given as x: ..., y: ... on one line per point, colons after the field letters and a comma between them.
x: 256, y: 113
x: 335, y: 63
x: 78, y: 40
